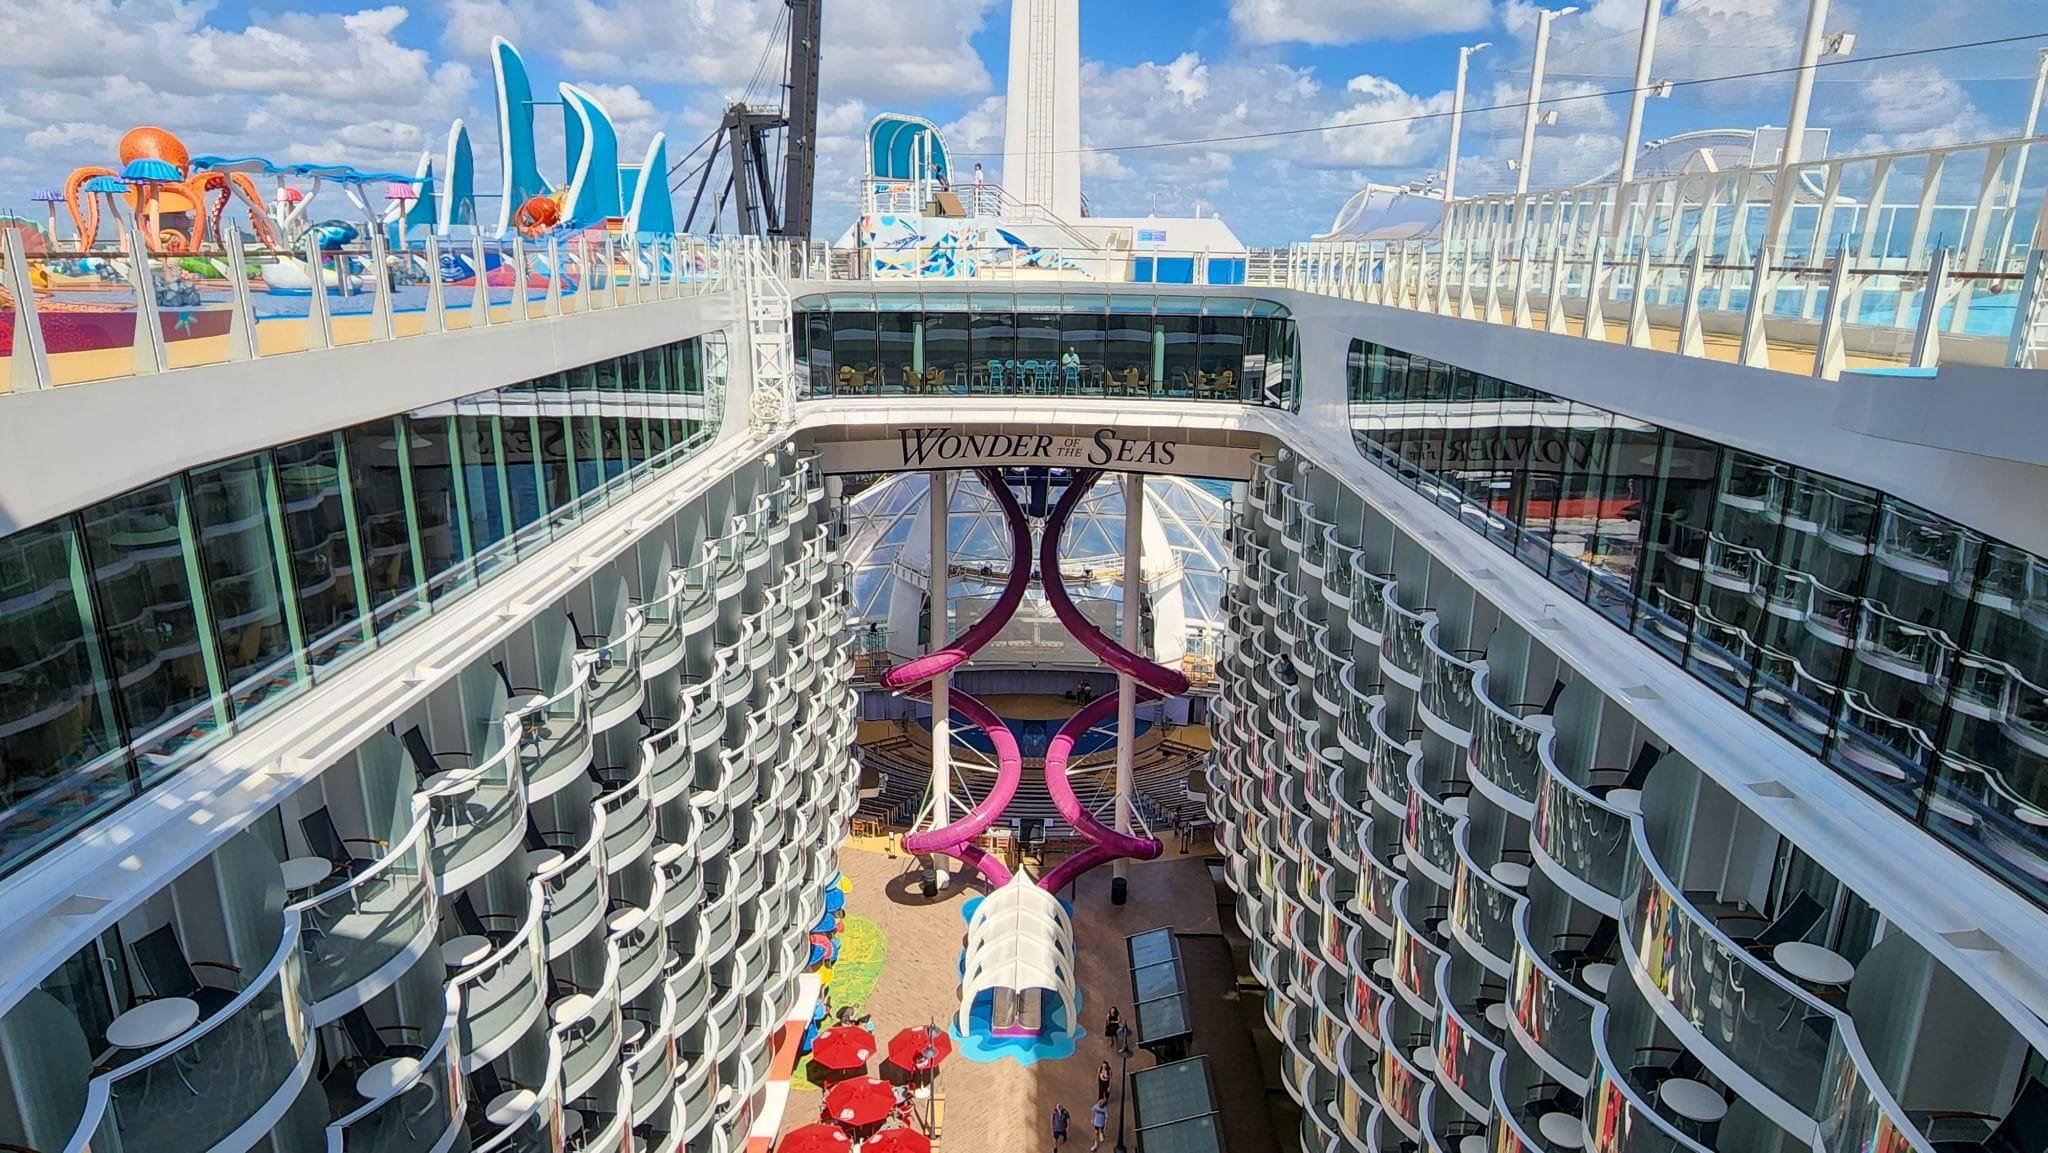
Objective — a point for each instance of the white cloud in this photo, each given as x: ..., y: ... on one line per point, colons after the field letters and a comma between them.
x: 1353, y: 21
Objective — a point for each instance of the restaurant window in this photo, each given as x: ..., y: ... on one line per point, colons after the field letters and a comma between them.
x: 234, y: 515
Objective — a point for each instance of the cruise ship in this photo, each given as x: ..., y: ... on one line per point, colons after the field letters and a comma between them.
x: 438, y: 654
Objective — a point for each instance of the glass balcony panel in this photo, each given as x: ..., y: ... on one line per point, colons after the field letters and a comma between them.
x: 1581, y: 834
x: 670, y: 767
x: 191, y: 1093
x: 1861, y: 1115
x: 1621, y: 1121
x: 417, y: 1117
x: 1432, y: 826
x: 1464, y: 1058
x: 615, y: 667
x: 1401, y: 650
x: 1774, y: 1031
x: 554, y: 742
x: 1484, y: 911
x: 1921, y: 544
x: 1551, y: 1011
x: 1504, y: 746
x: 504, y: 989
x: 1447, y: 681
x: 475, y: 810
x: 354, y: 929
x: 628, y: 821
x: 572, y: 895
x: 590, y: 1043
x: 1912, y: 652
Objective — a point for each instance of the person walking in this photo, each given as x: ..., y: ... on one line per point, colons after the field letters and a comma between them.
x: 1059, y: 1125
x: 1102, y: 1080
x: 1111, y: 1024
x: 1100, y: 1116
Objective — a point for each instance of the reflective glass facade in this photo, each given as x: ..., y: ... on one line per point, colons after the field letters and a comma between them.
x: 137, y: 632
x: 1183, y: 347
x: 1906, y: 651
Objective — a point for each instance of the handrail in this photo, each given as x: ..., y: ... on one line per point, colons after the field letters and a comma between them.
x: 99, y: 1094
x: 1603, y: 1135
x: 544, y: 1098
x: 422, y: 820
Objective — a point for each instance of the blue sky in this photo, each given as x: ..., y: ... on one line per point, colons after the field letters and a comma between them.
x: 321, y: 80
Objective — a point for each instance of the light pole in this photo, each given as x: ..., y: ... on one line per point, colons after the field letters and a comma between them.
x: 1646, y: 52
x: 1529, y: 114
x: 1813, y: 44
x: 1123, y: 1061
x: 1458, y: 120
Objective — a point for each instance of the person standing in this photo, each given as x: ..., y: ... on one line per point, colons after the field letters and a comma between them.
x: 1100, y: 1116
x: 1111, y: 1024
x: 1059, y: 1125
x: 1102, y: 1080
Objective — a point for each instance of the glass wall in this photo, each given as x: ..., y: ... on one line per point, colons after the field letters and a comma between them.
x: 1185, y: 347
x: 137, y: 632
x: 1905, y: 650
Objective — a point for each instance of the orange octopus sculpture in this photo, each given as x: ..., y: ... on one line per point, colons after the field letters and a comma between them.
x: 179, y: 207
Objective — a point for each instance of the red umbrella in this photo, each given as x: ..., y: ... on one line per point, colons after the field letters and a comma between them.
x: 920, y: 1047
x: 861, y: 1101
x: 843, y: 1047
x: 898, y: 1140
x: 819, y: 1138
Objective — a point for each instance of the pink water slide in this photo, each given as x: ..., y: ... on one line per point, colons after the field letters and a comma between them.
x: 1105, y: 843
x: 913, y: 678
x: 1154, y: 676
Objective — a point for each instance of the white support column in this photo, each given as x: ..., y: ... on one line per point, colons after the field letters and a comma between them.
x: 1127, y: 686
x: 937, y: 587
x: 1632, y: 137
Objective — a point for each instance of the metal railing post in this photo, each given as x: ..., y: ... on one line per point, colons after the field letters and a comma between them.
x: 1927, y: 332
x: 2029, y: 312
x: 241, y: 304
x: 436, y: 318
x: 480, y: 291
x: 519, y: 302
x: 1553, y: 306
x: 29, y: 365
x: 381, y: 324
x: 604, y: 299
x: 1828, y: 352
x: 1595, y: 326
x: 1520, y: 316
x: 1493, y: 313
x: 319, y: 333
x: 1755, y: 349
x: 1692, y: 340
x: 150, y: 354
x: 1639, y: 301
x: 551, y: 305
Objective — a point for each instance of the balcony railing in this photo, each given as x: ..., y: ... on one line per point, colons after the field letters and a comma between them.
x: 1886, y: 259
x: 419, y: 1114
x: 245, y: 1060
x: 546, y: 283
x: 356, y: 928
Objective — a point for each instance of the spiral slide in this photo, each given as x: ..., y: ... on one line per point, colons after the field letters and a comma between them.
x: 1157, y: 677
x: 1156, y: 681
x: 1105, y: 843
x: 945, y: 660
x: 957, y: 839
x: 912, y: 678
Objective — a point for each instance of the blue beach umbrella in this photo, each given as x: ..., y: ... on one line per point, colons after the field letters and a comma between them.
x: 834, y: 900
x: 825, y: 924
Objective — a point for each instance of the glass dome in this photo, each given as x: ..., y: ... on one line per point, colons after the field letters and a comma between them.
x: 888, y: 557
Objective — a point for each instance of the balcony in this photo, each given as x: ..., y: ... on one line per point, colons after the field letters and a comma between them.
x: 1921, y: 546
x: 1388, y: 760
x: 241, y: 1067
x: 628, y: 827
x: 373, y: 924
x: 616, y: 689
x: 650, y: 1057
x: 1483, y: 909
x: 1416, y: 954
x: 1402, y: 1084
x: 1430, y: 834
x: 682, y: 881
x: 554, y: 737
x: 639, y: 942
x: 1622, y: 1121
x: 1448, y: 698
x: 572, y: 892
x: 502, y: 994
x: 587, y: 1027
x: 1464, y: 1063
x: 1506, y: 762
x: 478, y: 813
x: 1401, y: 653
x: 1729, y: 1000
x: 1368, y: 602
x: 420, y: 1113
x: 1580, y: 841
x: 1549, y: 1015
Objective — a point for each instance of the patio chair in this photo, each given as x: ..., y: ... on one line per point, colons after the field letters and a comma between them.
x: 475, y: 924
x: 327, y: 843
x: 1792, y: 923
x: 2023, y: 1129
x: 1594, y: 946
x: 160, y: 958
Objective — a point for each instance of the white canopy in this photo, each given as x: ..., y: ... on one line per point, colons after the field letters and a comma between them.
x: 1020, y: 938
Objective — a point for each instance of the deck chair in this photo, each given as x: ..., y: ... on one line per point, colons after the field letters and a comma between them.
x: 1593, y: 946
x: 1793, y: 923
x: 160, y: 958
x: 328, y: 844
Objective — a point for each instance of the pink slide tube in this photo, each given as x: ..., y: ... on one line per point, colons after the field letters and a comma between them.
x: 1157, y: 677
x: 945, y: 660
x: 1105, y: 842
x: 957, y: 839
